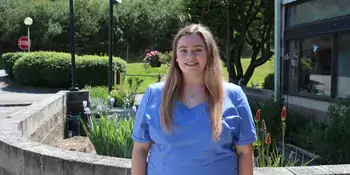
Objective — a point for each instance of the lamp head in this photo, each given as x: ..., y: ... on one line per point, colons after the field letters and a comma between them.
x: 28, y: 21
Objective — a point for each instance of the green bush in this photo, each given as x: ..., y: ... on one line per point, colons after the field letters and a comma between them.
x: 337, y: 133
x: 119, y: 96
x: 111, y: 137
x: 269, y: 81
x: 8, y: 61
x: 165, y: 57
x: 101, y: 92
x: 53, y: 69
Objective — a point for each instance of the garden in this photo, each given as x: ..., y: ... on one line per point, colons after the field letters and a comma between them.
x: 141, y: 54
x: 285, y: 136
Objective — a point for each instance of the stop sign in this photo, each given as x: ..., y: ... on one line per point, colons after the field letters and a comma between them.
x: 23, y: 43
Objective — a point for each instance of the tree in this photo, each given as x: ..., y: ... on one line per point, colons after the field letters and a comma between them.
x: 237, y: 23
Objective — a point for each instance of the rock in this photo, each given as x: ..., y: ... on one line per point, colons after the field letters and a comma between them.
x: 76, y: 143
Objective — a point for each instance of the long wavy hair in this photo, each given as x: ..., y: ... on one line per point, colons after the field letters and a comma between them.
x: 213, y: 80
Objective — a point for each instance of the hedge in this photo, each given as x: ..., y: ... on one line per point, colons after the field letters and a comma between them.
x: 53, y: 69
x: 9, y: 59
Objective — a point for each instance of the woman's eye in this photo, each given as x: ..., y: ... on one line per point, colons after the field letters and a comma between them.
x: 198, y: 50
x: 183, y: 50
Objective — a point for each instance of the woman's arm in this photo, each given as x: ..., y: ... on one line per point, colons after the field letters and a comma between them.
x: 139, y: 157
x: 246, y: 159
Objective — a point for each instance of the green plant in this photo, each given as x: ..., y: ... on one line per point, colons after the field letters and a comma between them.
x: 52, y: 69
x: 268, y: 156
x: 134, y: 84
x: 165, y: 57
x: 97, y: 91
x: 337, y: 132
x: 111, y: 137
x: 269, y: 81
x: 118, y: 95
x: 152, y: 59
x: 9, y: 59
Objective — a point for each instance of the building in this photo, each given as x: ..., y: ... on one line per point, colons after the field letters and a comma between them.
x: 314, y: 52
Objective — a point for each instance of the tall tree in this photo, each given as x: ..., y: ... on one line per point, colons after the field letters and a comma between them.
x: 237, y: 23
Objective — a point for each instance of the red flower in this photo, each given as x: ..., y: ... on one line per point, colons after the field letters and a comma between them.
x: 263, y: 125
x: 257, y: 115
x: 284, y: 114
x: 268, y: 139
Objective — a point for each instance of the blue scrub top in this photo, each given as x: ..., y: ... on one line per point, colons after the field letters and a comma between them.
x: 188, y: 149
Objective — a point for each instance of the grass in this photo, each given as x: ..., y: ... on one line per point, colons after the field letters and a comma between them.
x: 138, y: 70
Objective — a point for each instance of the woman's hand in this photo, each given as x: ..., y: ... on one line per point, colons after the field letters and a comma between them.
x: 139, y: 157
x: 246, y: 159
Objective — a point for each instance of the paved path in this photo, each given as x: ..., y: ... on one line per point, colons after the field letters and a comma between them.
x: 13, y: 98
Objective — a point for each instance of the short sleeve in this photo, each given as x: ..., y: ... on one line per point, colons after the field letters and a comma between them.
x: 140, y: 131
x: 246, y: 132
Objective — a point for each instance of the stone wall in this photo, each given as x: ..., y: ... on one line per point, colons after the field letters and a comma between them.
x: 24, y: 151
x: 47, y: 122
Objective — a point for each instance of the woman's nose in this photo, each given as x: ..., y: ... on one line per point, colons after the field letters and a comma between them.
x: 191, y: 54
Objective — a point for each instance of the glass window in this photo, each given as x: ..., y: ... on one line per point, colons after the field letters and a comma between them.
x: 315, y: 65
x: 293, y: 53
x: 343, y: 65
x: 316, y: 10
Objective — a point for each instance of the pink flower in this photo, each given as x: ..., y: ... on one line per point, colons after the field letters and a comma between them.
x: 154, y: 52
x: 148, y: 55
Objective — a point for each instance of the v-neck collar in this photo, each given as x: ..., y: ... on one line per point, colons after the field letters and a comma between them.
x: 178, y: 102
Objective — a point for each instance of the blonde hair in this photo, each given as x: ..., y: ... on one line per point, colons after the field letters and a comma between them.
x: 213, y: 80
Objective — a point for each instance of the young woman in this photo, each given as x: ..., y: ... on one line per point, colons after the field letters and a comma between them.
x: 194, y: 123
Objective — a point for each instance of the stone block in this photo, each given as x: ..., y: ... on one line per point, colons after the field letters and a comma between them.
x: 272, y: 171
x: 309, y: 170
x: 108, y: 167
x: 338, y: 169
x: 56, y: 133
x: 4, y: 172
x: 52, y: 165
x: 32, y: 163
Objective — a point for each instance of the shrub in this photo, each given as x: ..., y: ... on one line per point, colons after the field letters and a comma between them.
x: 8, y: 61
x: 118, y: 96
x: 269, y: 81
x: 53, y: 69
x: 165, y: 57
x: 152, y: 59
x: 336, y: 135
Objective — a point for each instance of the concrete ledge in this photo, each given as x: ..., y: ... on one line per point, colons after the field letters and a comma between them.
x: 19, y: 155
x: 258, y: 94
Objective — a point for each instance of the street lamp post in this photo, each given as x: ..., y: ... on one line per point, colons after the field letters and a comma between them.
x: 110, y: 50
x: 28, y: 22
x: 72, y: 45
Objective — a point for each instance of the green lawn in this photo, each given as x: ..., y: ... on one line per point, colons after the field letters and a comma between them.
x: 137, y: 69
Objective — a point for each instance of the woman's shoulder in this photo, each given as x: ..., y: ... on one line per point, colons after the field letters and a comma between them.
x: 231, y: 88
x: 153, y: 91
x: 155, y: 88
x: 233, y: 91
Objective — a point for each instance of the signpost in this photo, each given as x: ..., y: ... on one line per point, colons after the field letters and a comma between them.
x: 24, y: 43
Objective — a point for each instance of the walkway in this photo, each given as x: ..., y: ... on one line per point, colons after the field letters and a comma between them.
x: 13, y: 97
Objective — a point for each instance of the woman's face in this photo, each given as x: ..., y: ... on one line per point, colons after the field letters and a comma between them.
x: 191, y: 54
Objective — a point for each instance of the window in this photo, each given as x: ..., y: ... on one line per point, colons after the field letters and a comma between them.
x: 316, y: 10
x: 293, y: 54
x: 310, y: 65
x: 315, y: 65
x: 343, y: 65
